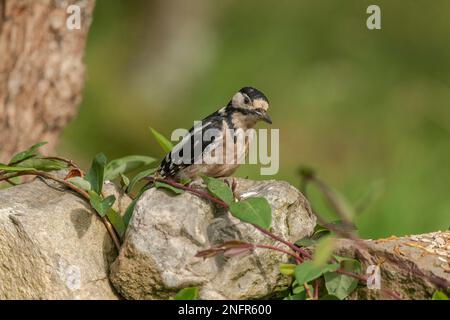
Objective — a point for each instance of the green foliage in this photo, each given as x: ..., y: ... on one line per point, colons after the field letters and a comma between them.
x: 340, y: 285
x: 124, y: 181
x: 319, y: 232
x: 308, y: 271
x: 99, y: 204
x: 323, y: 250
x: 219, y: 189
x: 43, y: 164
x: 126, y: 164
x: 255, y: 210
x: 129, y: 211
x: 299, y: 292
x: 185, y: 181
x: 163, y: 142
x: 8, y: 168
x: 287, y: 269
x: 163, y: 185
x: 96, y: 173
x: 138, y: 177
x: 116, y: 221
x: 187, y: 294
x: 29, y: 153
x: 80, y: 183
x: 439, y: 295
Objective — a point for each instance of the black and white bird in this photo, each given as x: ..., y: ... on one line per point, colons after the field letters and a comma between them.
x: 191, y: 157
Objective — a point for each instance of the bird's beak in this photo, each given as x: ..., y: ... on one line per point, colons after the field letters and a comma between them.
x: 266, y: 118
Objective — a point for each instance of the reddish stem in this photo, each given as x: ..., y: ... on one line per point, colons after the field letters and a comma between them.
x: 206, y: 195
x: 316, y: 289
x: 264, y: 246
x: 308, y: 292
x: 296, y: 249
x: 279, y: 239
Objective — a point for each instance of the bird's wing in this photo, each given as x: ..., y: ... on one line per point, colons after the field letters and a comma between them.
x: 195, y: 142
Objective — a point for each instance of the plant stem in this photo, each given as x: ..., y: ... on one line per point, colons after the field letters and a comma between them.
x: 206, y: 195
x: 264, y: 246
x: 363, y: 279
x: 11, y: 182
x: 292, y: 246
x: 279, y: 239
x: 81, y: 192
x: 316, y: 289
x: 199, y: 193
x: 68, y: 161
x: 308, y: 292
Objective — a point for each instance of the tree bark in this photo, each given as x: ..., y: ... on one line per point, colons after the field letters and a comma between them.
x: 41, y: 71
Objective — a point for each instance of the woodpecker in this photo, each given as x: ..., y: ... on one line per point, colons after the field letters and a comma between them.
x: 247, y: 107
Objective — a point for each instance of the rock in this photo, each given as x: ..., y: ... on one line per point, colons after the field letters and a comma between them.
x: 412, y: 266
x: 158, y: 254
x: 52, y: 245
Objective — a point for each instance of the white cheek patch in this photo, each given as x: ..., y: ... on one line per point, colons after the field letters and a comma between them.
x: 260, y: 104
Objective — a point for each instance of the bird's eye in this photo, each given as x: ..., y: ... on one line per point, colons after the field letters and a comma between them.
x: 246, y: 100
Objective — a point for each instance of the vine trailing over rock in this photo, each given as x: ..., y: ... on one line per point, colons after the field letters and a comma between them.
x: 316, y: 271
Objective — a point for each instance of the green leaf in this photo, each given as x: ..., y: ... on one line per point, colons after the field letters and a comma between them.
x: 255, y: 210
x: 219, y: 189
x: 185, y: 181
x: 7, y: 168
x: 323, y: 251
x: 31, y: 152
x: 287, y: 269
x: 125, y: 165
x: 164, y: 143
x: 130, y: 209
x: 305, y: 242
x: 101, y: 205
x: 343, y: 225
x: 96, y: 173
x: 116, y: 221
x: 340, y: 285
x: 43, y: 164
x: 299, y: 288
x: 124, y: 181
x: 439, y: 295
x: 138, y: 177
x: 187, y: 294
x: 163, y: 185
x: 109, y: 201
x: 308, y: 271
x: 129, y: 212
x: 80, y: 183
x: 96, y: 202
x: 319, y: 232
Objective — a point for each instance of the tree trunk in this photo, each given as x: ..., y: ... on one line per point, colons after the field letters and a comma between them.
x: 41, y: 71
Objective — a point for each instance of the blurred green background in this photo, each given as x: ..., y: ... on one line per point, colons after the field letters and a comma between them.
x: 362, y: 107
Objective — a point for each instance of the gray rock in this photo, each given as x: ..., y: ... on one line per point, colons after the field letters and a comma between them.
x: 412, y: 266
x: 158, y: 255
x: 52, y: 246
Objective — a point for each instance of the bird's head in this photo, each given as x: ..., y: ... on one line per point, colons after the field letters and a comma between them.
x: 250, y: 105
